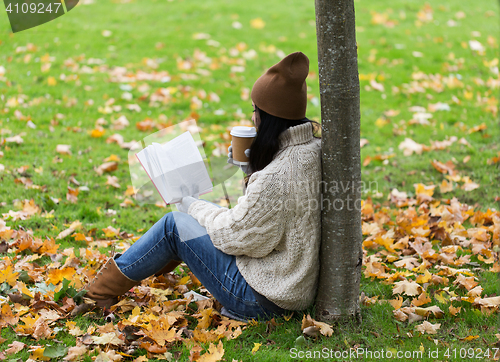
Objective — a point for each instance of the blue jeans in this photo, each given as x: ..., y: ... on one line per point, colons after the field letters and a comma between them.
x: 178, y: 236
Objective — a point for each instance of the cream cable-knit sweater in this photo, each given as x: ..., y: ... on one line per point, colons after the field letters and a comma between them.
x: 274, y: 230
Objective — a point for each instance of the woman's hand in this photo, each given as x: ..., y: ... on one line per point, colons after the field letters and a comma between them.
x: 245, y: 168
x: 186, y: 201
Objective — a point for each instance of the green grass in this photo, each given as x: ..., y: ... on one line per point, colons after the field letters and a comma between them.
x: 137, y: 27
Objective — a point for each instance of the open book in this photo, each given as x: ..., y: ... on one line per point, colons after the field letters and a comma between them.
x: 176, y: 168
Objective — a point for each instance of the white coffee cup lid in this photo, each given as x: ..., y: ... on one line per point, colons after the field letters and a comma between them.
x: 243, y: 131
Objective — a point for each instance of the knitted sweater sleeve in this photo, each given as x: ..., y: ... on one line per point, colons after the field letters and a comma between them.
x: 253, y: 227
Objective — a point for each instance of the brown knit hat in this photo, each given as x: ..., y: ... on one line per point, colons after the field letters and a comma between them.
x: 282, y: 90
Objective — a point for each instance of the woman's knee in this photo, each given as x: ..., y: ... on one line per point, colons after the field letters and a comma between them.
x: 184, y: 225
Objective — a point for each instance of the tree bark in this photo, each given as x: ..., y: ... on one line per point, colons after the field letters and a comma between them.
x: 341, y: 246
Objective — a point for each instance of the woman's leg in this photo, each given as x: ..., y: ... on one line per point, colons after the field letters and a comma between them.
x: 178, y: 236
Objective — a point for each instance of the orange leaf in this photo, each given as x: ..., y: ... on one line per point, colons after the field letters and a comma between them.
x: 57, y: 275
x: 97, y: 132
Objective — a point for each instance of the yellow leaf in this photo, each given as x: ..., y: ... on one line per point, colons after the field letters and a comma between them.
x: 113, y: 157
x: 454, y: 311
x: 214, y: 353
x: 446, y: 186
x: 381, y: 122
x: 37, y: 354
x: 421, y: 279
x: 51, y: 81
x: 257, y: 23
x: 8, y: 275
x: 256, y: 347
x: 396, y: 303
x: 423, y: 189
x: 206, y: 318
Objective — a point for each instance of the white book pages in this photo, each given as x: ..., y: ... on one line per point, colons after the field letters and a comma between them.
x: 176, y: 168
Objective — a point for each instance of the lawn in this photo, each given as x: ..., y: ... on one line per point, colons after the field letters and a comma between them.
x: 112, y: 72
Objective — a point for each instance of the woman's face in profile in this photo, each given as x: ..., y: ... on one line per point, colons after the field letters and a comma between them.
x: 255, y: 117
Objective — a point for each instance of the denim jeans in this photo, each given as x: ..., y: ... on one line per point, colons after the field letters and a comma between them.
x: 178, y: 236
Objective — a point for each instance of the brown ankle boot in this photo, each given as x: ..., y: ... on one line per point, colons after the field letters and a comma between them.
x: 108, y: 284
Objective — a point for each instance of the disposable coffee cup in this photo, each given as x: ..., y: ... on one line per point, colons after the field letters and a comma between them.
x: 242, y: 138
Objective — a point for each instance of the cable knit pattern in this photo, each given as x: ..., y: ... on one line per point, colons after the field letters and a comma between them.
x: 274, y: 230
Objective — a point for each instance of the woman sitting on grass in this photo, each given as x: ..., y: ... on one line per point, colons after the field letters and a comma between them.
x: 260, y: 258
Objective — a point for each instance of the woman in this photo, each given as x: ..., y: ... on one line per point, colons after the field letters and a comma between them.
x: 259, y: 258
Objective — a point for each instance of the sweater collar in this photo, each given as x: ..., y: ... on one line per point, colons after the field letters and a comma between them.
x: 296, y: 135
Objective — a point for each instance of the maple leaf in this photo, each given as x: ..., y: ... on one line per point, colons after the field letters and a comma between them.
x: 446, y: 186
x: 7, y: 317
x: 112, y: 181
x: 206, y: 318
x: 421, y: 279
x: 160, y: 331
x: 111, y: 232
x: 324, y: 328
x: 41, y: 329
x: 467, y: 283
x: 454, y: 311
x: 153, y: 348
x: 74, y: 353
x: 425, y: 312
x: 396, y: 303
x: 107, y: 338
x: 8, y: 275
x: 15, y: 347
x: 400, y: 315
x: 421, y: 300
x: 215, y: 353
x: 37, y: 353
x: 428, y: 328
x: 49, y: 247
x: 55, y: 276
x: 407, y: 287
x: 488, y: 302
x: 448, y: 167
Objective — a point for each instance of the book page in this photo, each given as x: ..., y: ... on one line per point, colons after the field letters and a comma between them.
x: 176, y: 168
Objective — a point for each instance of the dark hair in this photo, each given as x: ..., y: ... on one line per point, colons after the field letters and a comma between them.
x: 266, y: 144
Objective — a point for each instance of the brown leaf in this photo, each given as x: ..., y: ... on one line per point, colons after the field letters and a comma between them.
x: 428, y: 328
x: 106, y: 167
x: 407, y: 287
x: 325, y: 329
x: 15, y: 347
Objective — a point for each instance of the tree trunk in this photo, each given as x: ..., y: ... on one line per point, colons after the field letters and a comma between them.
x: 341, y: 252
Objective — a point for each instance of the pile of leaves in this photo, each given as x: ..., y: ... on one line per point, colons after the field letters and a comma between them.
x: 432, y: 252
x: 44, y: 292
